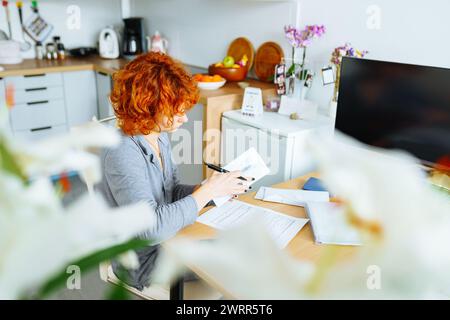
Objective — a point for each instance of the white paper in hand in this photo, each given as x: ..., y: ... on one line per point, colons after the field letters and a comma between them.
x: 250, y: 164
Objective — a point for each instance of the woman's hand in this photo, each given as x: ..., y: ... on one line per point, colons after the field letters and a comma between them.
x: 219, y: 185
x: 223, y: 184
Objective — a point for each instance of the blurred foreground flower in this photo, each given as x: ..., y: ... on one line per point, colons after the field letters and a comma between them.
x: 404, y: 222
x: 38, y: 237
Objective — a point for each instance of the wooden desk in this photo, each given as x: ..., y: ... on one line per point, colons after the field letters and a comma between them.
x: 302, y: 247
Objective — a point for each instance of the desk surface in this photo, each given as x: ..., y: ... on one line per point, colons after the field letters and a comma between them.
x: 302, y: 247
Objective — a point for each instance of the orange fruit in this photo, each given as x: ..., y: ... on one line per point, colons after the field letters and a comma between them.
x: 217, y: 78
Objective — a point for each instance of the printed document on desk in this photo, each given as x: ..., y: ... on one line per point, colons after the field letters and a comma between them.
x: 330, y: 225
x: 292, y: 197
x: 250, y: 164
x: 234, y: 213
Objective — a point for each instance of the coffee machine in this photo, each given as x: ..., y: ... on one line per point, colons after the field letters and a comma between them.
x: 134, y: 42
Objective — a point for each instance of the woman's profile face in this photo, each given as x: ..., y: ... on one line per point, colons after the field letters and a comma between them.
x: 178, y: 121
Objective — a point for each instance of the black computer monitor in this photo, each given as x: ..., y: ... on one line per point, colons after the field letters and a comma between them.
x: 396, y: 106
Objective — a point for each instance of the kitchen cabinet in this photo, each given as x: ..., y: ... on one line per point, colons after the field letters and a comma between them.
x: 187, y: 147
x: 47, y: 104
x: 104, y: 86
x: 39, y: 108
x: 80, y: 93
x: 279, y: 140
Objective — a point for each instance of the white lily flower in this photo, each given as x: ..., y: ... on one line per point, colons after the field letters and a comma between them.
x: 408, y: 250
x: 66, y: 152
x: 129, y: 260
x: 388, y: 188
x: 239, y: 260
x: 37, y: 238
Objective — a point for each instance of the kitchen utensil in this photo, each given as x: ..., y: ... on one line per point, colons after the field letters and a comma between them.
x: 268, y: 55
x: 36, y: 27
x: 157, y: 43
x: 8, y: 17
x: 25, y: 45
x: 109, y: 44
x: 240, y: 47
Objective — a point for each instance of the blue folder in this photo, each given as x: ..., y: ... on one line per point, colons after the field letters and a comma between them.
x: 314, y: 184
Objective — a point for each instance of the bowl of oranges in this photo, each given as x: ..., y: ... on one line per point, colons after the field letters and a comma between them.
x: 207, y: 82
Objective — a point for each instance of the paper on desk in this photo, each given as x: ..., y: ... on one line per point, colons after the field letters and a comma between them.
x: 234, y: 213
x: 292, y: 197
x: 250, y: 164
x: 330, y: 225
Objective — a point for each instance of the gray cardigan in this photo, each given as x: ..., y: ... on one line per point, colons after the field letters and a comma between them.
x: 132, y: 173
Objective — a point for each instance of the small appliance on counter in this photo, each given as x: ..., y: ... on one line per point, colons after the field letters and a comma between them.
x: 109, y: 44
x: 10, y: 52
x: 83, y: 51
x: 134, y: 41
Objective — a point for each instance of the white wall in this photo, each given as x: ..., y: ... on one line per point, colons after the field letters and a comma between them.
x: 411, y: 31
x: 200, y: 31
x: 95, y: 14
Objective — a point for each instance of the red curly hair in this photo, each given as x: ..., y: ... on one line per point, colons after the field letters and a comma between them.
x: 147, y: 89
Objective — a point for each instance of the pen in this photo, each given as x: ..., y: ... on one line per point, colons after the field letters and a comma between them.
x: 222, y: 170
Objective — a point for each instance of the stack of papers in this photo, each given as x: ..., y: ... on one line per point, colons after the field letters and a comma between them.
x: 292, y: 197
x: 250, y: 164
x: 234, y: 213
x: 330, y: 225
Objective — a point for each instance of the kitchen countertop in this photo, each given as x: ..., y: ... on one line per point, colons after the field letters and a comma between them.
x: 34, y: 66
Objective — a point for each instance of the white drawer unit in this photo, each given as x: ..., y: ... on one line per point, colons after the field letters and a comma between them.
x: 22, y: 96
x: 50, y: 103
x: 35, y: 81
x: 38, y: 114
x: 279, y: 140
x: 40, y: 133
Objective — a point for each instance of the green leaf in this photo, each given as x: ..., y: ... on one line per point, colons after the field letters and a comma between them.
x: 119, y: 292
x: 88, y: 262
x: 8, y: 163
x: 291, y: 70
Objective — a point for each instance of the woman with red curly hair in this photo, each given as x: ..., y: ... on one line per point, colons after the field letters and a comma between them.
x: 151, y: 96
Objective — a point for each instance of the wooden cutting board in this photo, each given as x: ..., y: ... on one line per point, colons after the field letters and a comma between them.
x: 239, y: 47
x: 268, y: 55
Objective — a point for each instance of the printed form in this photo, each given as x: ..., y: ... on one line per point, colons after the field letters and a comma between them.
x: 281, y: 227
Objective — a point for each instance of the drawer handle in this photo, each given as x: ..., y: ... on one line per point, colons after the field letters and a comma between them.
x: 34, y: 75
x: 37, y: 102
x: 36, y: 89
x: 102, y: 73
x: 40, y: 129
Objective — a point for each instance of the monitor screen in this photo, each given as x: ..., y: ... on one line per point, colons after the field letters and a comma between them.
x: 396, y: 106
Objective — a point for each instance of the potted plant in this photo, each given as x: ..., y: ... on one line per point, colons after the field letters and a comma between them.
x: 297, y: 73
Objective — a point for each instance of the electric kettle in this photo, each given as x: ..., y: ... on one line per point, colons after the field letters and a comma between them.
x: 109, y: 44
